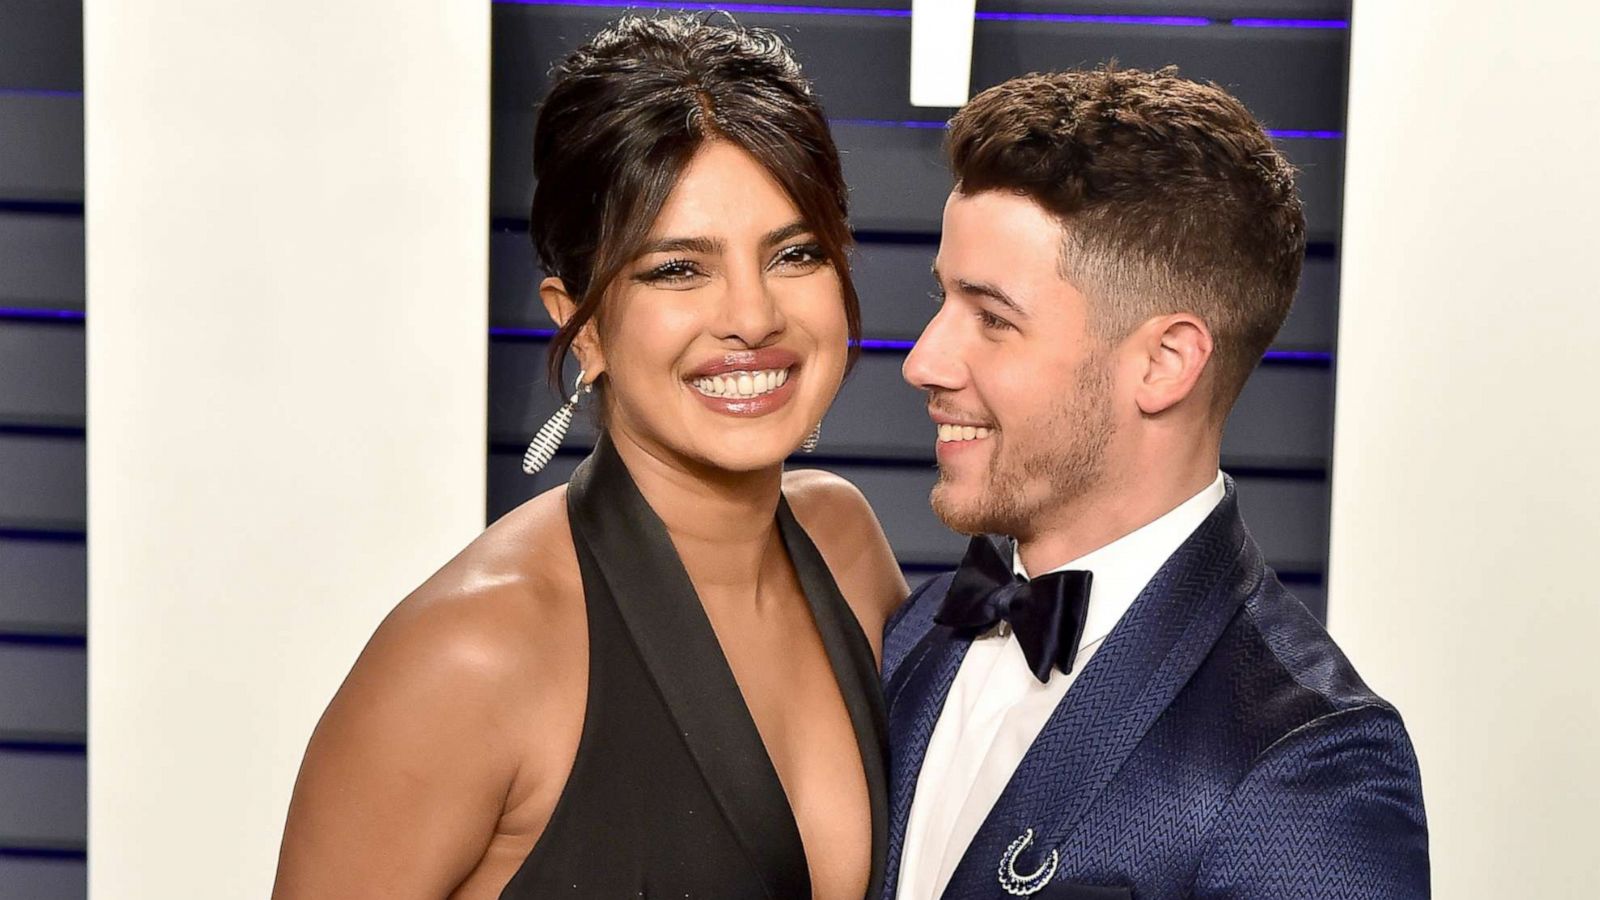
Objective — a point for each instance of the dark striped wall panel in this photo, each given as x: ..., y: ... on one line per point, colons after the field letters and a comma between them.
x: 43, y: 671
x: 43, y: 800
x: 41, y: 261
x: 45, y: 588
x: 41, y: 147
x: 47, y: 693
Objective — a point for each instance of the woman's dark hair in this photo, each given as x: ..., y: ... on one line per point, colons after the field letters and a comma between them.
x: 627, y: 112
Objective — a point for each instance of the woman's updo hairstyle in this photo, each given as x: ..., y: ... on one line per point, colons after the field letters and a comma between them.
x: 627, y: 112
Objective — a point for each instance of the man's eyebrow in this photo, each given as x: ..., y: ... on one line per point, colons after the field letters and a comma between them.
x: 682, y: 245
x: 993, y: 292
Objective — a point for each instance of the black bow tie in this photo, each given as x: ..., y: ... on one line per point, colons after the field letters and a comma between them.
x: 1046, y: 613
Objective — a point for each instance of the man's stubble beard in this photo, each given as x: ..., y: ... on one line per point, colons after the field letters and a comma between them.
x: 1064, y: 456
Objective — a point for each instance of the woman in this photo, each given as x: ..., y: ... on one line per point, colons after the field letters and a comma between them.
x: 649, y: 682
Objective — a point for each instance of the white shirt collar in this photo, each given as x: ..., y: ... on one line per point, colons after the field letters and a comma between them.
x: 1123, y: 567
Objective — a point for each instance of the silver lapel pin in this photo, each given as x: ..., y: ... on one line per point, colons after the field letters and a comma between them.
x: 1024, y: 885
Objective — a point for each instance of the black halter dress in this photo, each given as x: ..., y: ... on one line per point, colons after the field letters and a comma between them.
x: 672, y: 794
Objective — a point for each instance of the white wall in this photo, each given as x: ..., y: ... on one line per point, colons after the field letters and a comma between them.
x: 1465, y: 570
x: 287, y: 227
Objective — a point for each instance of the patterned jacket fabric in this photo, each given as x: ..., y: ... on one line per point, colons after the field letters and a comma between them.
x: 1218, y: 745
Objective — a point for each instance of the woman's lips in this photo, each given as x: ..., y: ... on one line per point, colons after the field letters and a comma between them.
x: 742, y: 392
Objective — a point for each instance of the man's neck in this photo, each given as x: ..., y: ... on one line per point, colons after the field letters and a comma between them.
x: 1117, y: 507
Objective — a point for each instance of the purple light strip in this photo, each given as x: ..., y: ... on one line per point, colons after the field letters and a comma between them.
x: 1299, y: 134
x: 880, y: 13
x: 1290, y: 23
x: 34, y: 315
x: 896, y: 346
x: 38, y: 92
x: 775, y: 9
x: 1083, y: 19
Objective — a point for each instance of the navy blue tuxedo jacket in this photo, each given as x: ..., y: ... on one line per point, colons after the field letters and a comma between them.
x: 1217, y: 745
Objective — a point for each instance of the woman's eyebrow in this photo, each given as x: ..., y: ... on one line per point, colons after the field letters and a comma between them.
x: 682, y: 245
x: 779, y: 235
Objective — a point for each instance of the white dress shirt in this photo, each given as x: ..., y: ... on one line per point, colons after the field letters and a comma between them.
x: 996, y: 706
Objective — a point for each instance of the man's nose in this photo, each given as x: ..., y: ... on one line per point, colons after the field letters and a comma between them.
x: 934, y: 362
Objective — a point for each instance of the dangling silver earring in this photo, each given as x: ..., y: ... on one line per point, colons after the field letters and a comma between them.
x: 543, y: 447
x: 809, y: 445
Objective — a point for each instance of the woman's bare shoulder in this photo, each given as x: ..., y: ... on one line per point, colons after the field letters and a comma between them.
x: 842, y: 524
x: 409, y: 770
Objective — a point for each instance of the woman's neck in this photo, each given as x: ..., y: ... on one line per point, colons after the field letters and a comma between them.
x: 723, y: 524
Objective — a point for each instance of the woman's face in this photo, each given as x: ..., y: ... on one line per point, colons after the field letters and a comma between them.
x: 725, y: 340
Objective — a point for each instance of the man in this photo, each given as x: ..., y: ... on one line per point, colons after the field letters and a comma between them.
x: 1153, y: 716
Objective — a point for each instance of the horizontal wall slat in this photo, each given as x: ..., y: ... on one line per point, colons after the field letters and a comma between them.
x: 41, y: 148
x: 43, y: 800
x: 894, y: 284
x: 1282, y: 419
x: 1289, y: 517
x: 42, y: 482
x: 41, y: 44
x: 41, y: 261
x: 41, y: 373
x: 46, y: 693
x: 43, y: 878
x: 45, y: 587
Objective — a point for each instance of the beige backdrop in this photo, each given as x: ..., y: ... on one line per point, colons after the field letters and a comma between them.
x: 287, y: 328
x: 1466, y: 487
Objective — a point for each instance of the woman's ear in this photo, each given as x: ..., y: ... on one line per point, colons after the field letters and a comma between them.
x: 561, y: 307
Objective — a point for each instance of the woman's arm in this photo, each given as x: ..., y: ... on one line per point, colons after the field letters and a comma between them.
x: 847, y: 534
x: 407, y: 773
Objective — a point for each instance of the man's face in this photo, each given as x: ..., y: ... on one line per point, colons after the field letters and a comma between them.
x: 1020, y: 390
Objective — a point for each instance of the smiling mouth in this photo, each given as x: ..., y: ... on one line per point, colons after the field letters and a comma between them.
x: 741, y: 385
x: 952, y: 433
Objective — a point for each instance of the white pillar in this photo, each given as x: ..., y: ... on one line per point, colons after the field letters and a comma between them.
x: 1465, y: 569
x: 287, y: 227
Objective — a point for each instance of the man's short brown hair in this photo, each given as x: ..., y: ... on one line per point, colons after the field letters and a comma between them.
x: 1172, y: 197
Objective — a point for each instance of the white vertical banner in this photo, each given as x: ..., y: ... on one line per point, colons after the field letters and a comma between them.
x: 287, y: 224
x: 1466, y: 490
x: 941, y: 51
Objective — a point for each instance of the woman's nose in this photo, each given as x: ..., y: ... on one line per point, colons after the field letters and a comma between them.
x: 750, y: 311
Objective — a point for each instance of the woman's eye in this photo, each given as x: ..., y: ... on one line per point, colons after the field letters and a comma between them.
x: 803, y: 256
x: 675, y: 271
x: 937, y: 296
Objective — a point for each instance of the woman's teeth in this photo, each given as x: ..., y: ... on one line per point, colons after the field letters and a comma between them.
x: 742, y: 385
x: 948, y: 433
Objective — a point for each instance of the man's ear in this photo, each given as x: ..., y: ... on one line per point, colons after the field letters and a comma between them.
x: 561, y: 307
x: 1174, y: 352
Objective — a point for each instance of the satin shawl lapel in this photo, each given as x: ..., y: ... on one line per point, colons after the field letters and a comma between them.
x: 916, y: 696
x: 679, y: 647
x: 1143, y: 664
x: 850, y: 653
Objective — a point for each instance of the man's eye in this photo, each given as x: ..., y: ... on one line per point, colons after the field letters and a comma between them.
x: 937, y: 296
x: 992, y: 321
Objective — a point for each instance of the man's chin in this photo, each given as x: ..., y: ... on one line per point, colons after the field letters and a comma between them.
x: 964, y: 511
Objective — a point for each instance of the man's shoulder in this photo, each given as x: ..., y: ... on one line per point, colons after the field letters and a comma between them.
x: 1299, y: 649
x: 912, y: 621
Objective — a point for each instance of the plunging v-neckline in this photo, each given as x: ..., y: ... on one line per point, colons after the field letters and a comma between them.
x: 676, y: 641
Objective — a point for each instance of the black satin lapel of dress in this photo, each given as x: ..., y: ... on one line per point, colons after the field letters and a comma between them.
x: 856, y: 671
x: 657, y: 601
